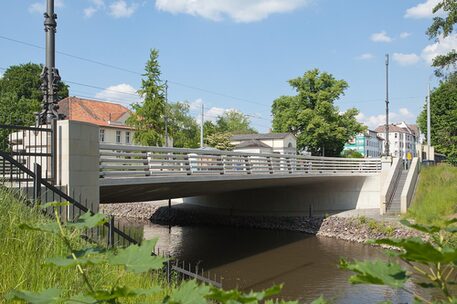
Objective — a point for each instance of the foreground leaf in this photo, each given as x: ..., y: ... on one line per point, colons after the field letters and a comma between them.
x: 51, y: 295
x: 415, y: 249
x: 189, y: 293
x: 424, y: 228
x: 137, y: 258
x: 87, y: 221
x: 320, y: 300
x: 376, y: 272
x: 81, y: 299
x: 44, y: 227
x: 123, y: 292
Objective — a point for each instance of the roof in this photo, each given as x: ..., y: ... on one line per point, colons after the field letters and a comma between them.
x: 101, y: 113
x: 253, y: 143
x: 240, y: 137
x: 394, y: 128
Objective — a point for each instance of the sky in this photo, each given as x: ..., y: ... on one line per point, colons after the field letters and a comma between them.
x: 235, y: 54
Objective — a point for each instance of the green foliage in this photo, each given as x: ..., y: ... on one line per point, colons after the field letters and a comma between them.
x: 21, y: 97
x: 312, y: 116
x: 350, y: 153
x: 443, y: 26
x: 234, y: 122
x: 432, y: 263
x: 443, y: 111
x: 220, y: 141
x: 182, y: 127
x: 435, y: 199
x: 148, y: 115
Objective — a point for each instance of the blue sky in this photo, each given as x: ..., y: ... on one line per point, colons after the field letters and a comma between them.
x: 236, y: 54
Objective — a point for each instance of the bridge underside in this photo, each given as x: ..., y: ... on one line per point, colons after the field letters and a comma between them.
x: 149, y: 189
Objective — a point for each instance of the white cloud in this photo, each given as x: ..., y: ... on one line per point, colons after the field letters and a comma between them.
x: 406, y: 59
x: 40, y: 7
x: 381, y: 37
x: 121, y: 9
x: 365, y: 56
x: 404, y: 35
x: 237, y: 10
x: 422, y: 10
x: 441, y: 47
x: 122, y: 93
x: 95, y: 7
x: 373, y: 121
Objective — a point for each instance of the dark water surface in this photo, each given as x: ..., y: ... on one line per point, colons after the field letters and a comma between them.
x: 257, y: 259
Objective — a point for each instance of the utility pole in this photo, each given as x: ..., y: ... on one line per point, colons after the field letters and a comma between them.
x: 429, y: 140
x: 165, y: 116
x: 50, y: 75
x: 387, y: 106
x: 201, y: 126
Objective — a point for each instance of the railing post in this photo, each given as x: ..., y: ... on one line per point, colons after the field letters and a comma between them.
x: 289, y: 167
x: 222, y: 164
x: 247, y: 164
x: 187, y: 164
x: 36, y: 183
x: 270, y: 165
x: 111, y: 232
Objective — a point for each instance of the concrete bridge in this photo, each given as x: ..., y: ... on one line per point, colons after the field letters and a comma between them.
x: 242, y: 183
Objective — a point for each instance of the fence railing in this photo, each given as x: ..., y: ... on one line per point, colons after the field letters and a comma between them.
x: 29, y: 146
x: 124, y: 161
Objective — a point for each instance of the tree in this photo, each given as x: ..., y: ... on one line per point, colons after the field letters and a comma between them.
x: 442, y: 27
x: 351, y: 154
x: 182, y: 127
x: 234, y: 122
x: 443, y: 111
x: 148, y: 115
x: 220, y: 141
x: 313, y: 118
x: 20, y: 93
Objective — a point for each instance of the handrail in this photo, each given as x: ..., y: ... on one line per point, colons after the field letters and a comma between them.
x: 124, y: 161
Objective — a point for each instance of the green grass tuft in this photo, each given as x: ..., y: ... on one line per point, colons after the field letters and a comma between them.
x: 436, y: 196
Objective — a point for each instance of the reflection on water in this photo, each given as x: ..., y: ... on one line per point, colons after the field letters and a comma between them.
x: 257, y: 259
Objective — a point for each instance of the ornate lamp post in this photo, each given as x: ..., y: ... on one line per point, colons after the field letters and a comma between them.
x: 50, y: 75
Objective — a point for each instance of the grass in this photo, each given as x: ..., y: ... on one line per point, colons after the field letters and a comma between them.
x: 436, y: 196
x: 23, y: 254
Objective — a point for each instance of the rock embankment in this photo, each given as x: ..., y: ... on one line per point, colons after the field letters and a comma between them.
x: 353, y: 228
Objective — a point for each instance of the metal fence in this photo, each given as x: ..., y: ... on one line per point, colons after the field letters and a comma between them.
x: 29, y: 146
x: 124, y: 161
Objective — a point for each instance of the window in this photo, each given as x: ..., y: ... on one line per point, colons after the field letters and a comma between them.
x: 118, y: 137
x: 127, y: 137
x: 102, y: 135
x: 396, y: 135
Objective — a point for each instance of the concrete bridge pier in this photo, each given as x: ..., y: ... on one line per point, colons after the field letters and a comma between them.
x: 318, y: 195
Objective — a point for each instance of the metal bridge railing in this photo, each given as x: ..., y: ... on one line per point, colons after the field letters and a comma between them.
x: 136, y: 161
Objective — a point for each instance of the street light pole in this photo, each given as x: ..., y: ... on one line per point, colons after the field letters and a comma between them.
x: 202, y: 126
x: 429, y: 140
x: 387, y: 105
x: 50, y: 75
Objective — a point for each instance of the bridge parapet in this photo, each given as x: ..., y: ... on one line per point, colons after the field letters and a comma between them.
x: 134, y: 161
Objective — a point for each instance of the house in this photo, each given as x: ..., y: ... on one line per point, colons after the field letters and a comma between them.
x: 403, y: 139
x: 110, y: 117
x: 369, y: 144
x: 281, y: 143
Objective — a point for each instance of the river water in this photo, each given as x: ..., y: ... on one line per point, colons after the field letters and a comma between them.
x: 255, y: 259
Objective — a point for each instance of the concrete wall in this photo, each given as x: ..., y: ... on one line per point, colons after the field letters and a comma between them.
x: 323, y: 195
x: 78, y: 161
x: 410, y: 185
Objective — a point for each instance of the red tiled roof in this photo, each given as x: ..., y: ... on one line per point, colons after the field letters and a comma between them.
x: 100, y: 113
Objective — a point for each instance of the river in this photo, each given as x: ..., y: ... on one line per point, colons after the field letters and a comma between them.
x: 255, y: 259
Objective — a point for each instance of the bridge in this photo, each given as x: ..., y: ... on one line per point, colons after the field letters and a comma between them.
x: 243, y: 183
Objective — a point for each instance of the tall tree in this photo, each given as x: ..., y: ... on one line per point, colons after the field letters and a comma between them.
x: 148, y: 115
x: 443, y: 26
x: 443, y: 110
x: 182, y: 127
x: 311, y: 115
x: 20, y: 93
x: 220, y: 141
x: 234, y: 122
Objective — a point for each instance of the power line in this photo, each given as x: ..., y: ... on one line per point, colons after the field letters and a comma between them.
x: 131, y: 71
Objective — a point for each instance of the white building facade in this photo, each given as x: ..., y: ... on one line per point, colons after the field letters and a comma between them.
x: 403, y: 139
x: 281, y: 143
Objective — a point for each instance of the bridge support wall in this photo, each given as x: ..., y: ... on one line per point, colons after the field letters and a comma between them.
x: 318, y: 196
x: 78, y: 161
